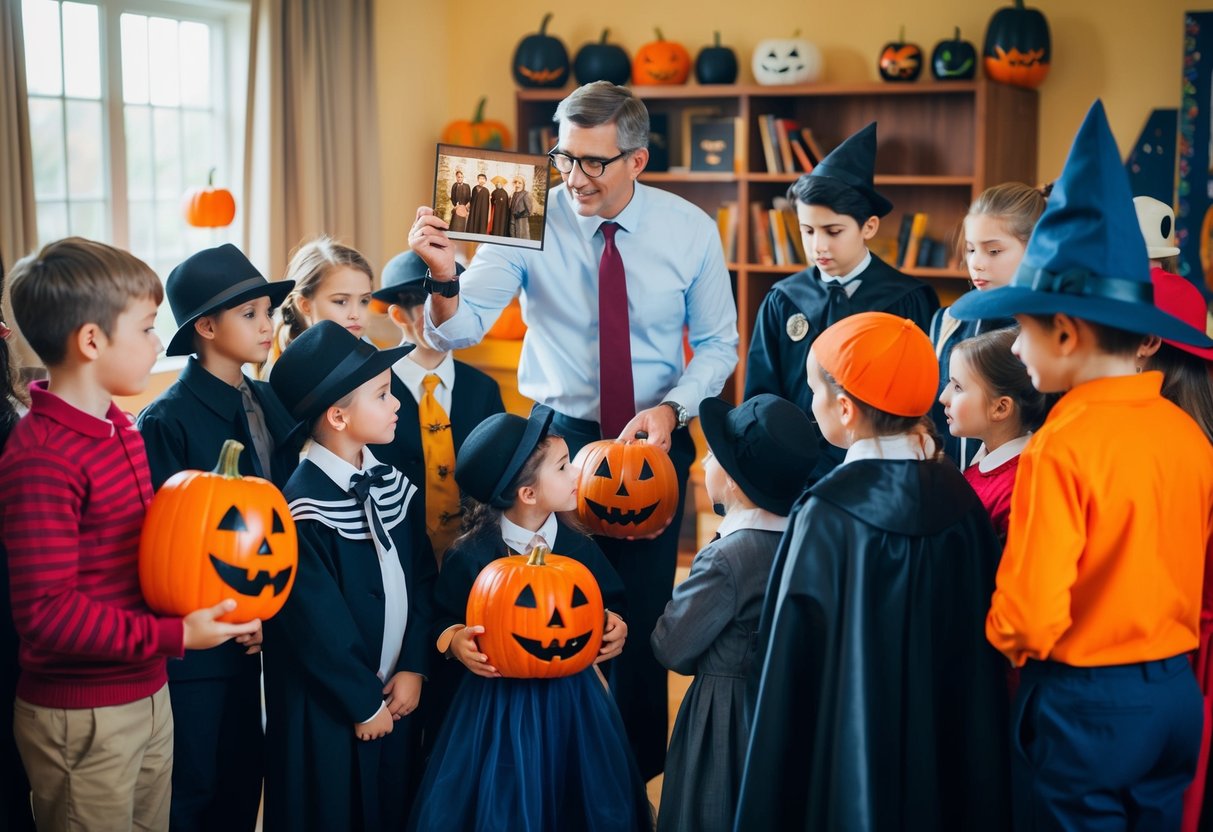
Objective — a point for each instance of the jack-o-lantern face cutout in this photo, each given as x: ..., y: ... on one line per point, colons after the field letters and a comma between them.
x: 215, y: 535
x: 542, y: 615
x: 661, y: 62
x: 791, y: 60
x: 625, y: 489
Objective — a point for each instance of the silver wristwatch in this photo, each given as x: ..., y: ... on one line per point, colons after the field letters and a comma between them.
x: 680, y: 413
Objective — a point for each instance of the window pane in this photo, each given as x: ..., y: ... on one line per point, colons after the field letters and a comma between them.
x: 134, y: 59
x: 139, y: 161
x: 88, y: 220
x: 85, y: 143
x: 143, y: 230
x: 199, y: 156
x: 162, y: 61
x: 43, y: 64
x: 169, y: 225
x: 166, y: 135
x: 46, y: 139
x: 195, y: 64
x: 81, y: 51
x: 52, y: 221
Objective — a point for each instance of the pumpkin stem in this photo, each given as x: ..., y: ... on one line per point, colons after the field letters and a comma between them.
x: 956, y: 33
x: 605, y: 32
x: 658, y: 31
x: 543, y: 27
x: 210, y: 178
x: 479, y: 117
x: 537, y: 556
x: 642, y: 434
x: 901, y: 38
x: 796, y: 34
x: 229, y: 460
x: 716, y: 39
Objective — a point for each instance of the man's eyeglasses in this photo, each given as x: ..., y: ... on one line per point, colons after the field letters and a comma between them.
x: 590, y: 166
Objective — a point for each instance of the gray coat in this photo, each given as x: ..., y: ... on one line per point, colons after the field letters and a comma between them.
x: 709, y: 630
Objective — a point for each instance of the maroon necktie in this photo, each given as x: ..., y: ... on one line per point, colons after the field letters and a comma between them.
x: 617, y: 397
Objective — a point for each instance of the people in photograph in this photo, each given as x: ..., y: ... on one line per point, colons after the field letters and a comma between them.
x: 478, y: 220
x: 521, y: 208
x: 461, y: 202
x: 499, y: 203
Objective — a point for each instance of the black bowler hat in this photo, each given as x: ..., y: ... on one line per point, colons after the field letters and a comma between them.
x: 853, y: 163
x: 214, y: 279
x: 495, y: 451
x: 403, y: 270
x: 323, y: 364
x: 766, y: 445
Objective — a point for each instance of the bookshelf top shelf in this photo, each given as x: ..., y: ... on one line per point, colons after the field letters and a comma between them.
x: 881, y: 179
x: 788, y: 91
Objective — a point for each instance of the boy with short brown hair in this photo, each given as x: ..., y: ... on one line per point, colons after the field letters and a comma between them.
x: 92, y: 718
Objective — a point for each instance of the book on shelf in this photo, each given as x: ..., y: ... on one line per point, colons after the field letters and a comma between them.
x: 769, y: 143
x: 793, y: 223
x: 918, y: 229
x: 726, y: 223
x: 761, y: 224
x: 801, y: 153
x: 782, y: 125
x: 816, y: 154
x: 779, y: 237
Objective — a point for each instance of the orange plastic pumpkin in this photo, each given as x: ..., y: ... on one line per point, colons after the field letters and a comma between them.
x: 509, y: 325
x: 661, y: 62
x: 211, y: 535
x: 209, y: 207
x: 625, y: 489
x: 478, y: 132
x: 542, y: 615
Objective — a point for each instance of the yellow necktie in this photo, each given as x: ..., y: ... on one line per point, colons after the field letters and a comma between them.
x: 442, y: 511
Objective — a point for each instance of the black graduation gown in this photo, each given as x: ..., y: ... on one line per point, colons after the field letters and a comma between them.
x: 461, y: 194
x: 880, y: 705
x: 321, y: 658
x: 776, y: 361
x: 478, y: 220
x: 500, y: 199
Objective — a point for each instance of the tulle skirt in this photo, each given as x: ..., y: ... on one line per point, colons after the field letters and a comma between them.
x: 532, y: 754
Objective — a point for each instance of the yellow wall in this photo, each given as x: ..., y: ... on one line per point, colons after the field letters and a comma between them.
x: 1127, y: 51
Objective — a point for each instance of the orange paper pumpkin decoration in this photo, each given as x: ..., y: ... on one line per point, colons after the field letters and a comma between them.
x: 542, y: 615
x: 509, y: 325
x: 661, y: 62
x: 211, y: 535
x: 625, y: 489
x: 209, y: 207
x: 478, y: 132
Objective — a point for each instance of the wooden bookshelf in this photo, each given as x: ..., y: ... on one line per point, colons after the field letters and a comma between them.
x: 940, y: 145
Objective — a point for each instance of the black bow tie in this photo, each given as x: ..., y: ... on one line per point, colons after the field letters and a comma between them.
x: 360, y: 487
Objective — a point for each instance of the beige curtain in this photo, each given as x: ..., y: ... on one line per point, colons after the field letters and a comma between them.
x: 312, y: 132
x: 18, y: 227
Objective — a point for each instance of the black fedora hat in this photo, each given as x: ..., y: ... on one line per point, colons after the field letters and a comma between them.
x: 405, y: 269
x: 323, y: 364
x: 495, y: 451
x: 210, y: 280
x: 765, y: 445
x: 853, y: 163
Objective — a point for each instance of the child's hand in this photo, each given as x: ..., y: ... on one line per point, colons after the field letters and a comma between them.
x: 202, y: 631
x: 613, y: 637
x: 252, y: 641
x: 379, y: 726
x: 403, y: 692
x: 464, y: 648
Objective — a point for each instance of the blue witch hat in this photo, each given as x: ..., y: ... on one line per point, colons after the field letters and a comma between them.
x: 1087, y: 257
x: 853, y: 163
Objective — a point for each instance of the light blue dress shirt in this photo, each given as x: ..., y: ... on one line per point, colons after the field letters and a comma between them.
x: 676, y: 276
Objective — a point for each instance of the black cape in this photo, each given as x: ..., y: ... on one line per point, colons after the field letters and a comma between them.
x: 500, y: 199
x: 776, y: 361
x: 880, y: 705
x: 478, y: 220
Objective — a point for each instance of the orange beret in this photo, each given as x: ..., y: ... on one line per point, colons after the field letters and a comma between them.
x: 882, y: 360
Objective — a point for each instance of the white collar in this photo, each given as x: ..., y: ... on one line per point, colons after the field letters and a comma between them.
x: 987, y: 461
x: 899, y: 446
x: 413, y: 374
x: 853, y: 273
x: 519, y: 539
x: 758, y: 519
x: 336, y: 468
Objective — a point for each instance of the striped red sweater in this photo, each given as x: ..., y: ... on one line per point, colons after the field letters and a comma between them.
x: 73, y: 492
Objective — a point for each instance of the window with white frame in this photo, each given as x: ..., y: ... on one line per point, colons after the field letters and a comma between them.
x: 132, y: 103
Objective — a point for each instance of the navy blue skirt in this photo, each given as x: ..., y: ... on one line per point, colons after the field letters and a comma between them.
x: 532, y: 754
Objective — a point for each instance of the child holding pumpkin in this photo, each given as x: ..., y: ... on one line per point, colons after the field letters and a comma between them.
x: 349, y: 648
x: 515, y: 751
x: 93, y: 721
x: 222, y: 307
x: 757, y: 465
x: 839, y: 211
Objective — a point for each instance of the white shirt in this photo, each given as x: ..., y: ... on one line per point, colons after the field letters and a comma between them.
x: 413, y: 374
x: 519, y: 539
x: 898, y: 446
x: 395, y: 593
x: 848, y: 281
x: 987, y: 461
x: 758, y: 519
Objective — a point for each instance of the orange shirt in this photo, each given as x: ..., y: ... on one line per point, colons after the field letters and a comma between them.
x: 1110, y: 525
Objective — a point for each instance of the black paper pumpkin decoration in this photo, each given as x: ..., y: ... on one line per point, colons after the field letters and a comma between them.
x: 716, y: 64
x: 1018, y: 49
x: 954, y: 60
x: 602, y: 61
x: 540, y: 59
x: 901, y: 61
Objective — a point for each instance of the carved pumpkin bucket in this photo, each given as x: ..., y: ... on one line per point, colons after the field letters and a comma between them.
x: 542, y: 615
x: 211, y: 535
x: 625, y: 489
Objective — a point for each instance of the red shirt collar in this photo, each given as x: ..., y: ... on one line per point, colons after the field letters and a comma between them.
x: 46, y: 404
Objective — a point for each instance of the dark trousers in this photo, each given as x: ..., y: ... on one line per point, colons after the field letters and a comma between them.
x: 218, y: 753
x: 1104, y: 748
x: 647, y: 569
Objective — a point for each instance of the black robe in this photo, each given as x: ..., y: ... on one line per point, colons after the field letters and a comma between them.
x: 478, y: 220
x: 881, y: 705
x: 321, y: 659
x: 776, y: 360
x: 500, y: 199
x: 461, y: 194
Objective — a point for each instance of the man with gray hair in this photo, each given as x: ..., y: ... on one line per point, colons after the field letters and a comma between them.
x: 624, y: 269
